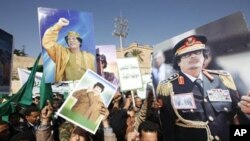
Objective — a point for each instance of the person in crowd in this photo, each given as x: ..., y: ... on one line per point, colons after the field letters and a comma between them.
x: 71, y: 63
x: 135, y: 118
x: 109, y: 135
x: 58, y: 96
x: 138, y: 102
x: 130, y: 121
x: 56, y: 103
x: 71, y: 132
x: 44, y: 130
x: 147, y: 131
x: 57, y: 120
x: 16, y: 122
x: 4, y: 131
x: 118, y: 112
x: 36, y: 100
x: 161, y: 70
x: 31, y: 122
x: 153, y: 112
x: 213, y: 92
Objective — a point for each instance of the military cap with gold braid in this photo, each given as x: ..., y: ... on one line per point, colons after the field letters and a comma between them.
x: 189, y: 44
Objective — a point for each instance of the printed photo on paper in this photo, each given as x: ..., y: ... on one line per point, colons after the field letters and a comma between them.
x: 82, y: 107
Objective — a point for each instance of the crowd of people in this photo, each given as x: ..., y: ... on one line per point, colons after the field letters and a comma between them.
x: 119, y: 122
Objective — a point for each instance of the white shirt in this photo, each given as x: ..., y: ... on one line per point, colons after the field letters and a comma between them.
x: 193, y: 78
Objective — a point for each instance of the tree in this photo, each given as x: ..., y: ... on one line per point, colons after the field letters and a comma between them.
x: 137, y: 53
x: 17, y: 52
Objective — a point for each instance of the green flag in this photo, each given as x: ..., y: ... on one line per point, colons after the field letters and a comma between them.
x: 25, y: 93
x: 23, y: 96
x: 45, y: 92
x: 7, y: 107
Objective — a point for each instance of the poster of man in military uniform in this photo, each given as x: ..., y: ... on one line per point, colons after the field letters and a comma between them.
x: 216, y: 93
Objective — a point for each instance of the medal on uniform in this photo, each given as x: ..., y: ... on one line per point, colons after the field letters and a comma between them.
x: 219, y: 95
x: 183, y: 101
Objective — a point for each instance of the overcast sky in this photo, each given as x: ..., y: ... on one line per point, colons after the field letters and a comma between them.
x: 150, y: 21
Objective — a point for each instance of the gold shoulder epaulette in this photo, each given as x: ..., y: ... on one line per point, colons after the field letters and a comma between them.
x: 171, y: 78
x: 208, y: 75
x: 165, y: 87
x: 225, y: 77
x: 219, y: 72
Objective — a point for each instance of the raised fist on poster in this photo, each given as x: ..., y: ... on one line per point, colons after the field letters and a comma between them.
x: 63, y: 22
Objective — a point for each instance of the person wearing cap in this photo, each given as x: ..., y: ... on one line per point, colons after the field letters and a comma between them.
x: 71, y: 63
x: 197, y: 104
x: 101, y: 65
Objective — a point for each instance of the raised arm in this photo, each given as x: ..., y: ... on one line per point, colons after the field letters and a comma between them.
x: 49, y: 40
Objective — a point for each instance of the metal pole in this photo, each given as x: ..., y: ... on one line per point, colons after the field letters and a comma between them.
x: 121, y: 44
x: 121, y: 27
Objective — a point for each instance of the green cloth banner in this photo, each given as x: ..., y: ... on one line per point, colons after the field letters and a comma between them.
x: 45, y: 92
x: 23, y: 96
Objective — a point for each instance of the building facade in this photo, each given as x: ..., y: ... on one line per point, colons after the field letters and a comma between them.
x: 142, y: 52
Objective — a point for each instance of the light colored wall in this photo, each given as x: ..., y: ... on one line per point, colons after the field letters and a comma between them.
x: 145, y: 65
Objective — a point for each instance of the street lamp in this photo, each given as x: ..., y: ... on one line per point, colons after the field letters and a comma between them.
x: 121, y: 28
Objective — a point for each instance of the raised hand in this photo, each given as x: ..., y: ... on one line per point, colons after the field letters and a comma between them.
x: 63, y: 22
x: 46, y: 113
x: 244, y: 104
